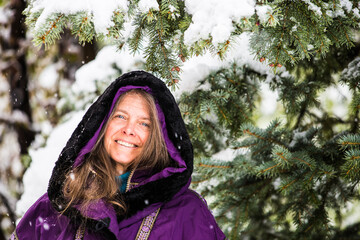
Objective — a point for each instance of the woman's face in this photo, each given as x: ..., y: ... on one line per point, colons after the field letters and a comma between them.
x: 127, y: 130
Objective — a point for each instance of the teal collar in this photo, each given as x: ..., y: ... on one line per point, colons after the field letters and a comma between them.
x: 123, y: 178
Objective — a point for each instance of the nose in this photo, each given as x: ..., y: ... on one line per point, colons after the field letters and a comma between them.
x: 129, y: 129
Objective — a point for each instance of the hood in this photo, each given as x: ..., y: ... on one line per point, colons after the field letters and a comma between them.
x: 151, y: 190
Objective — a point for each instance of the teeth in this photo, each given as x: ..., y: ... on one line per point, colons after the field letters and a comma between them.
x: 125, y: 143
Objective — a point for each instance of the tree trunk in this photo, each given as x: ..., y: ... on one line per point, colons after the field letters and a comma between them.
x: 17, y: 74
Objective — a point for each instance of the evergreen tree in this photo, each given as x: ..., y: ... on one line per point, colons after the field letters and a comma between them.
x: 291, y: 180
x: 24, y: 103
x: 16, y: 130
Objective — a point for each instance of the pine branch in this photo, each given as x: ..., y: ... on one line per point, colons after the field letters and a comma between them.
x: 213, y: 166
x: 50, y: 33
x: 248, y: 131
x: 290, y: 45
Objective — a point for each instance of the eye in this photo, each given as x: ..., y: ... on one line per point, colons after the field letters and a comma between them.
x: 120, y: 116
x: 145, y: 124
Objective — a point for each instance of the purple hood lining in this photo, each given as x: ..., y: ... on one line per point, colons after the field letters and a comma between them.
x: 174, y: 154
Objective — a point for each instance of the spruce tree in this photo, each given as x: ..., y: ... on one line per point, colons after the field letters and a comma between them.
x: 294, y: 179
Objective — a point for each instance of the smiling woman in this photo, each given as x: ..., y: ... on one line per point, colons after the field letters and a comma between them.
x: 124, y: 173
x: 127, y: 131
x: 131, y: 139
x: 131, y: 124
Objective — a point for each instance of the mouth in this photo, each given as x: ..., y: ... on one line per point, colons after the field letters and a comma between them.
x: 125, y: 144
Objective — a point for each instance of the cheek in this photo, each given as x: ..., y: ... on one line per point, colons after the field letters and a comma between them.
x: 106, y: 143
x: 111, y: 129
x: 107, y: 137
x: 145, y: 136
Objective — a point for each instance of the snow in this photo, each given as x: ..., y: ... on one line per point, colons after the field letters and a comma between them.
x: 48, y: 77
x: 12, y: 146
x: 5, y: 14
x: 214, y: 18
x: 316, y: 9
x: 333, y: 99
x: 268, y: 104
x: 263, y: 12
x: 146, y: 5
x: 6, y: 223
x: 225, y: 155
x: 16, y: 167
x: 194, y: 70
x: 128, y: 29
x: 172, y: 8
x: 102, y: 13
x: 17, y: 116
x: 9, y: 145
x: 90, y: 73
x: 350, y: 213
x: 337, y: 13
x: 346, y: 4
x: 37, y: 176
x: 4, y: 99
x: 5, y: 192
x: 197, y: 68
x: 356, y: 12
x: 298, y: 136
x: 353, y: 69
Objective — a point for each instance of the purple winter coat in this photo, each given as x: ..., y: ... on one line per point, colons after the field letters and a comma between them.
x: 160, y: 206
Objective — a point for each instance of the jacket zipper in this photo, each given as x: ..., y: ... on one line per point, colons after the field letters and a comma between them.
x: 129, y: 180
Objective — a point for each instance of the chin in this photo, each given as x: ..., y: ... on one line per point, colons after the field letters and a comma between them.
x: 123, y: 162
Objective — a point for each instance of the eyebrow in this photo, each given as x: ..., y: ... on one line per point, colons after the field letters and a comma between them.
x: 123, y: 111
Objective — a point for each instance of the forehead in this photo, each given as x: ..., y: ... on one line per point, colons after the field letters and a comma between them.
x: 132, y: 103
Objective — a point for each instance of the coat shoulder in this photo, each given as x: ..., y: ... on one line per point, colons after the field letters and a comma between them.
x: 191, y: 217
x: 42, y: 207
x: 41, y: 221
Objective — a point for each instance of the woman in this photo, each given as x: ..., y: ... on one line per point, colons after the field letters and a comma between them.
x: 124, y: 173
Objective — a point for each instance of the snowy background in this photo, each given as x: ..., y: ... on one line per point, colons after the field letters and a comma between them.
x: 43, y: 159
x: 101, y: 71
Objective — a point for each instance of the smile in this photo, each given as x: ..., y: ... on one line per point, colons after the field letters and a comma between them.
x: 125, y: 144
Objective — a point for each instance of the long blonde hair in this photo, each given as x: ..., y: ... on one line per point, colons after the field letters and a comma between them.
x: 95, y: 178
